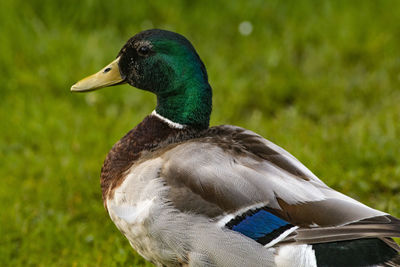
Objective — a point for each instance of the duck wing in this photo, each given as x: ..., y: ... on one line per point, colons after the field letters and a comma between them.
x: 230, y: 172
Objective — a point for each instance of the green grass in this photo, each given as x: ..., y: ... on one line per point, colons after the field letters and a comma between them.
x: 319, y: 78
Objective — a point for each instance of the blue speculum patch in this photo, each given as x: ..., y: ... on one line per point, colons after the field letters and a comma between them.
x: 257, y: 224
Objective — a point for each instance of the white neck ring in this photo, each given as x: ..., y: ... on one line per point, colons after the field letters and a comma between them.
x: 168, y: 121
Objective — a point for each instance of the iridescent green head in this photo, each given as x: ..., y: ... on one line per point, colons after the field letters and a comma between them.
x: 166, y: 64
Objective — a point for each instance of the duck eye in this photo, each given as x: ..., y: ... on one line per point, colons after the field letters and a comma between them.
x: 144, y: 50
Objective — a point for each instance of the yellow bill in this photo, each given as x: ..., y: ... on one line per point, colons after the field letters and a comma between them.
x: 107, y: 76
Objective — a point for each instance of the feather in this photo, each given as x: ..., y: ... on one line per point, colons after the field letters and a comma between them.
x: 259, y: 225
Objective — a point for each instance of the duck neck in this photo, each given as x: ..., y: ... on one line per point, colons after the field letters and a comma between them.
x: 187, y: 103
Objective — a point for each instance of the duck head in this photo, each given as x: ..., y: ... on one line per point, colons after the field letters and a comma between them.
x: 166, y: 64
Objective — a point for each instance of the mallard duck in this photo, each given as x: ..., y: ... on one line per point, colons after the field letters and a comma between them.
x: 186, y: 194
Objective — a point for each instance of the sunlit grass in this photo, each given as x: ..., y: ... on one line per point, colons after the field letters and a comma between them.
x: 321, y: 79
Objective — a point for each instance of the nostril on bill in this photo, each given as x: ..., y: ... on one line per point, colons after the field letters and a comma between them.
x: 106, y: 70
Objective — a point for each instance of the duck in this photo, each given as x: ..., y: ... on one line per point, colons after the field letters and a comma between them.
x: 187, y: 194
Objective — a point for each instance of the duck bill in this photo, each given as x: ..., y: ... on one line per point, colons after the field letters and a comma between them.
x: 107, y: 76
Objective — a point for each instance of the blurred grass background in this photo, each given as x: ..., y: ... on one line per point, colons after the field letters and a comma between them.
x: 319, y: 78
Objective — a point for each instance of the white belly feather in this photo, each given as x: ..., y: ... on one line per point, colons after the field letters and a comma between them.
x: 134, y: 208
